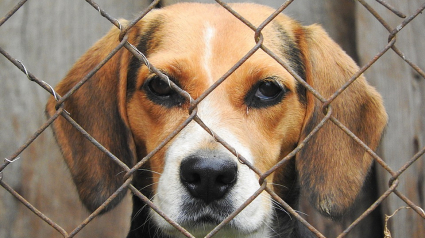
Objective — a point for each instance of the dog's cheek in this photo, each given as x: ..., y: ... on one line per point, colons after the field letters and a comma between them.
x: 272, y: 133
x: 151, y: 124
x: 157, y: 166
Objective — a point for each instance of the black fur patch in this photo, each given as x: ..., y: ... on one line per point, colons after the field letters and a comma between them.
x: 145, y: 46
x: 292, y: 52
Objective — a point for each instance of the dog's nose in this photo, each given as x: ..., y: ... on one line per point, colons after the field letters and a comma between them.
x: 208, y: 179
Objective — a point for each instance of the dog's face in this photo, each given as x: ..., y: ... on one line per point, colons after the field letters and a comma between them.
x: 257, y: 110
x: 261, y: 111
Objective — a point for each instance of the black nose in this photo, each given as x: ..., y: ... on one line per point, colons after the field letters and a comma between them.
x: 209, y: 178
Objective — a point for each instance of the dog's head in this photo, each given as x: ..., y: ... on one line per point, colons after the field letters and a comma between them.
x: 260, y: 110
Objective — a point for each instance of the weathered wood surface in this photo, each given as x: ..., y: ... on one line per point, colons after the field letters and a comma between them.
x: 403, y: 90
x: 48, y: 36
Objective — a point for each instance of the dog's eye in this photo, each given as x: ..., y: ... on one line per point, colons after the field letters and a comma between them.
x: 159, y: 87
x: 160, y: 92
x: 268, y: 90
x: 265, y: 93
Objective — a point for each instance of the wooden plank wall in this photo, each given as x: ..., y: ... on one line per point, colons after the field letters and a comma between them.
x: 48, y: 36
x: 403, y: 90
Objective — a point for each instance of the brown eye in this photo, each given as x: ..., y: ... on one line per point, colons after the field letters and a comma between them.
x: 160, y: 92
x: 265, y: 93
x: 159, y: 87
x: 268, y: 90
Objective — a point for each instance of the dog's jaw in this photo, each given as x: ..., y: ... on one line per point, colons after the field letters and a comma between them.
x: 196, y: 216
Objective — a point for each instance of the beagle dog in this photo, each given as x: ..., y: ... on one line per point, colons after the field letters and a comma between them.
x: 260, y: 110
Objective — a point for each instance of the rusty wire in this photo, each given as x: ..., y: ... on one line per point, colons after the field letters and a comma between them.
x: 12, y: 11
x: 33, y: 209
x: 193, y: 117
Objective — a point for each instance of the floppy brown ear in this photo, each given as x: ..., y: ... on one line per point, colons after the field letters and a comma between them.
x: 332, y: 167
x: 99, y: 107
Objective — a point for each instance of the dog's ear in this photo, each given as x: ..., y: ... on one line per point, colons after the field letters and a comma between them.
x: 332, y: 167
x: 99, y: 107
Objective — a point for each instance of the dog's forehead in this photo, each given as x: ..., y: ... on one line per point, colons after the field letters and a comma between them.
x: 195, y: 13
x: 186, y: 24
x: 205, y: 40
x: 188, y: 29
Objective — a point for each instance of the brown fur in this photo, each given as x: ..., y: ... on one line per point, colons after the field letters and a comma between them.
x: 331, y: 168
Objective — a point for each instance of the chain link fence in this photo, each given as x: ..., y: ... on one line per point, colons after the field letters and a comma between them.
x: 394, y: 173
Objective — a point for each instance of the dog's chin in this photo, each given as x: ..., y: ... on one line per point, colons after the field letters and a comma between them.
x: 200, y: 219
x: 207, y: 224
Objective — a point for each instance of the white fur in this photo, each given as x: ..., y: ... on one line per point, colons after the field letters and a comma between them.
x: 209, y: 33
x: 254, y: 219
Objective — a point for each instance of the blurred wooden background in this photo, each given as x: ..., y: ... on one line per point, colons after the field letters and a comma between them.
x: 49, y: 35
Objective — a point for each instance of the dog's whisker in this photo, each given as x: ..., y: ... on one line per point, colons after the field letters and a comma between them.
x: 302, y: 213
x: 270, y: 227
x: 280, y: 185
x: 276, y: 204
x: 138, y: 213
x: 144, y: 206
x: 121, y: 172
x: 279, y: 207
x: 153, y: 196
x: 149, y: 170
x: 147, y: 186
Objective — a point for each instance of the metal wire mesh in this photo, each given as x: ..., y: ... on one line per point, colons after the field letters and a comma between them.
x: 193, y: 116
